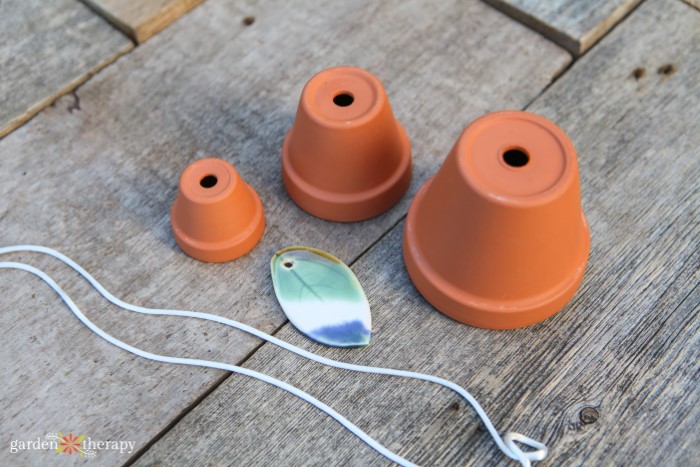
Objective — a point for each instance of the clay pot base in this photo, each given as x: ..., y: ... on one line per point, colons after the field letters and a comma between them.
x: 497, y: 238
x: 216, y: 216
x: 348, y: 207
x: 346, y: 158
x: 478, y: 311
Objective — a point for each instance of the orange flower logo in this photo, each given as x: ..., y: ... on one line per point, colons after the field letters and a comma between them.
x: 70, y: 444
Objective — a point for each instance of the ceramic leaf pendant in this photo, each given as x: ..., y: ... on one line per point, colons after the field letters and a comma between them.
x: 321, y: 297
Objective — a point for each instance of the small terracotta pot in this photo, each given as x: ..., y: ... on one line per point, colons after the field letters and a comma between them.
x: 216, y: 216
x: 346, y: 158
x: 497, y: 238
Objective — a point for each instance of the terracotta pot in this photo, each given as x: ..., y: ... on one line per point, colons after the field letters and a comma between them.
x: 216, y: 216
x: 346, y: 158
x: 497, y: 238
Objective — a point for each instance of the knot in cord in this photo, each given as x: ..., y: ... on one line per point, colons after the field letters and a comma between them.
x: 525, y: 457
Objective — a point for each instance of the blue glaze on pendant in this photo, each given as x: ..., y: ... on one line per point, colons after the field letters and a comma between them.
x: 348, y: 334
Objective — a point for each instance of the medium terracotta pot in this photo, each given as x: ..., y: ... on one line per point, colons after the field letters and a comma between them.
x: 216, y: 216
x: 497, y: 238
x: 346, y: 158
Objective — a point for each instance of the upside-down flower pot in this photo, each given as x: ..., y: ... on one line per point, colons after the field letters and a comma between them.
x: 497, y: 238
x: 216, y: 216
x: 346, y: 158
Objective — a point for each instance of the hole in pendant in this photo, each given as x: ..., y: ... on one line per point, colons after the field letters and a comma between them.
x: 208, y: 181
x: 343, y: 99
x: 516, y: 157
x: 288, y: 264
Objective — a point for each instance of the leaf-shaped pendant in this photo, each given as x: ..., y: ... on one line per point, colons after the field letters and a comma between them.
x: 321, y: 297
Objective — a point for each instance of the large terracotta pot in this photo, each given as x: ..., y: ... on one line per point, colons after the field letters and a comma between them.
x: 497, y: 238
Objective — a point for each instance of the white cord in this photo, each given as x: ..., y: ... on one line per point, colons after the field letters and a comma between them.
x: 507, y: 444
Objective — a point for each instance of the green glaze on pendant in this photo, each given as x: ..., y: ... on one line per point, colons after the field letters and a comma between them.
x: 321, y: 297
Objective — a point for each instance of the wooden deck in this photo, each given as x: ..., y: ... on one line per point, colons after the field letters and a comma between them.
x: 612, y: 379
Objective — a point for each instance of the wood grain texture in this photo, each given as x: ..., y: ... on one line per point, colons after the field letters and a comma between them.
x: 97, y: 183
x: 47, y: 49
x: 612, y: 379
x: 574, y: 24
x: 142, y: 19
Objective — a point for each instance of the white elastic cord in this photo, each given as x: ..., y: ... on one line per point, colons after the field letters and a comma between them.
x: 506, y: 445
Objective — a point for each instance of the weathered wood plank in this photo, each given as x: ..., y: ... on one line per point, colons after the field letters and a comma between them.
x: 48, y: 48
x: 98, y: 183
x: 139, y: 19
x: 610, y: 380
x: 575, y: 25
